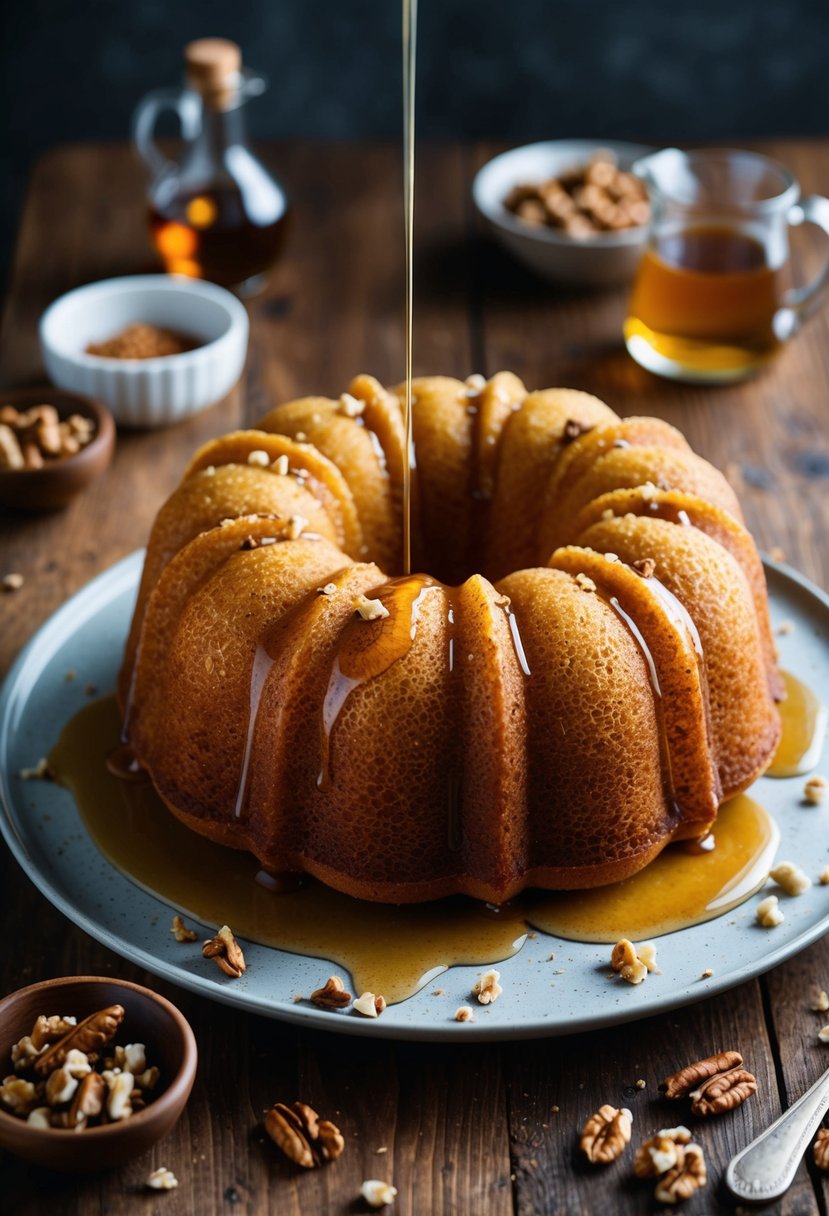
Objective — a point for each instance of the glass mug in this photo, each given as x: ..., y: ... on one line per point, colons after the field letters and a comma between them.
x: 709, y: 302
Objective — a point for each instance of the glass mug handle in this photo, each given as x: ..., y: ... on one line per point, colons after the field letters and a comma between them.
x: 185, y: 105
x: 800, y: 303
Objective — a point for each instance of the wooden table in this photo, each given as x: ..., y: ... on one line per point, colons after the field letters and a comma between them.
x: 484, y: 1130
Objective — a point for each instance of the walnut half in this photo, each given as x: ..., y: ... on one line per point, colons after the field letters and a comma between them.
x: 606, y: 1134
x: 226, y: 953
x: 302, y: 1136
x: 688, y: 1175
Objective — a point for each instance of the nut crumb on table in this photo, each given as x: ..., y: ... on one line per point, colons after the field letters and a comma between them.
x: 769, y: 913
x: 162, y: 1179
x: 378, y: 1194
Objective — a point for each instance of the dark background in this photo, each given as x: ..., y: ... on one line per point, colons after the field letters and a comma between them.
x: 519, y: 69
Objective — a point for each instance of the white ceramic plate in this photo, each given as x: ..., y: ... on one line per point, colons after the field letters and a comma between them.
x: 44, y: 831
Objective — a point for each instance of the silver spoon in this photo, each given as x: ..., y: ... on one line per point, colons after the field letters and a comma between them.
x: 764, y: 1169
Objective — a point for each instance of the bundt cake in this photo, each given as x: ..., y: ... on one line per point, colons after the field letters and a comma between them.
x: 596, y: 692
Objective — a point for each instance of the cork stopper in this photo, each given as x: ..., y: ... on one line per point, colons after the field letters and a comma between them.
x: 213, y: 66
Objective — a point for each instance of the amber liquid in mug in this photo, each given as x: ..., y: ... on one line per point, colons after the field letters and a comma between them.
x: 704, y: 300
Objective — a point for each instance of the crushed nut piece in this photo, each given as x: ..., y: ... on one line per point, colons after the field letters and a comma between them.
x: 572, y: 430
x: 162, y: 1179
x: 180, y: 931
x: 281, y: 465
x: 370, y: 610
x: 820, y: 1149
x: 88, y: 1101
x: 823, y: 1034
x: 295, y: 527
x: 644, y: 566
x: 378, y: 1194
x: 333, y: 995
x: 226, y: 953
x: 687, y: 1176
x: 13, y: 581
x: 707, y: 973
x: 328, y: 589
x: 790, y: 877
x: 41, y: 1116
x: 680, y: 1084
x: 660, y: 1152
x: 369, y: 1005
x: 351, y: 407
x: 814, y: 791
x: 40, y: 772
x: 260, y: 458
x: 606, y: 1134
x: 120, y: 1086
x: 18, y: 1095
x: 641, y: 1083
x: 769, y: 913
x: 302, y: 1136
x: 585, y: 581
x: 464, y: 1014
x: 818, y: 999
x: 631, y: 962
x: 487, y: 989
x: 60, y: 1087
x: 823, y: 877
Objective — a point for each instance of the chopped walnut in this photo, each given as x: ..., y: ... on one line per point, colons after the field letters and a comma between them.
x: 378, y: 1194
x: 820, y: 1149
x: 632, y: 962
x: 302, y: 1136
x: 260, y: 458
x: 41, y: 1116
x: 660, y: 1152
x: 180, y: 931
x: 49, y: 1030
x: 687, y: 1176
x: 641, y: 1083
x: 370, y: 610
x: 295, y: 527
x: 823, y: 1034
x: 790, y: 877
x: 606, y: 1134
x: 487, y: 989
x: 328, y: 589
x: 119, y: 1086
x: 333, y: 995
x: 818, y: 999
x: 769, y: 913
x: 162, y: 1179
x: 351, y: 407
x: 60, y: 1087
x: 474, y: 384
x: 281, y: 465
x: 585, y: 582
x: 464, y: 1014
x: 814, y: 791
x: 369, y: 1005
x: 823, y: 877
x: 226, y: 953
x: 88, y: 1100
x: 644, y: 566
x: 18, y: 1095
x: 12, y: 581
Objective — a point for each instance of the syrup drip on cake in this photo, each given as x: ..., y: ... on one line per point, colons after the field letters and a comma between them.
x: 804, y: 727
x: 386, y: 948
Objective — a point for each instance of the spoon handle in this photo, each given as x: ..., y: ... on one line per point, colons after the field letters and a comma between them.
x: 765, y: 1168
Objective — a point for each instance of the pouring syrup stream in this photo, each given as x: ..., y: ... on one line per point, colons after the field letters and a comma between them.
x: 409, y: 60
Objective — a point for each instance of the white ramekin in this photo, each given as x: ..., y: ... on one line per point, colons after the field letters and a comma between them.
x: 147, y: 392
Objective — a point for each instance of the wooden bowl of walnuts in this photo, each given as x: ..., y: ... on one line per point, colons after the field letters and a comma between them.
x: 52, y: 445
x: 94, y: 1071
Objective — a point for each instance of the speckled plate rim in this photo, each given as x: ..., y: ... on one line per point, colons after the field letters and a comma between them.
x: 91, y: 626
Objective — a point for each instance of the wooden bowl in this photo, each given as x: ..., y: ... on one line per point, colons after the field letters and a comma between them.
x: 149, y: 1019
x: 58, y: 482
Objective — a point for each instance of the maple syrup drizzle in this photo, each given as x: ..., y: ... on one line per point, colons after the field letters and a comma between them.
x: 388, y: 949
x: 409, y: 72
x: 804, y: 719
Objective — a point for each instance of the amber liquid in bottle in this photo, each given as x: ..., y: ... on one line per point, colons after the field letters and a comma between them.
x: 216, y: 234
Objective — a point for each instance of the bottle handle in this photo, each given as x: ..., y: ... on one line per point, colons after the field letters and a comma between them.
x: 186, y: 105
x: 800, y: 303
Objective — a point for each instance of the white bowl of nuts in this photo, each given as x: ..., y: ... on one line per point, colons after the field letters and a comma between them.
x: 155, y: 348
x: 569, y: 209
x: 95, y: 1070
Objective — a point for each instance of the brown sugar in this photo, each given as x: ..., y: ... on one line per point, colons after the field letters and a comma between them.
x: 142, y: 342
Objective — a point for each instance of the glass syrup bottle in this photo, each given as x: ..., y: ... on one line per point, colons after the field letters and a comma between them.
x: 215, y: 213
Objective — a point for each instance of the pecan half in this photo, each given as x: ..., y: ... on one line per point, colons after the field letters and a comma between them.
x: 226, y: 953
x: 49, y: 1030
x: 821, y: 1149
x: 606, y: 1134
x: 723, y: 1092
x: 88, y: 1036
x: 333, y: 995
x: 688, y: 1175
x: 302, y: 1136
x: 681, y: 1083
